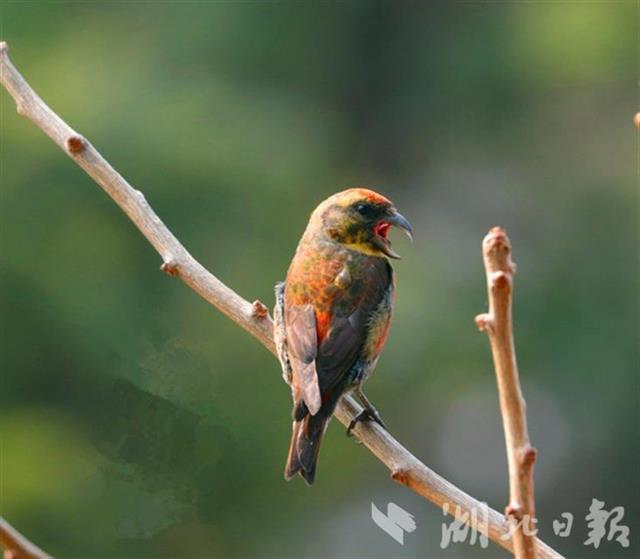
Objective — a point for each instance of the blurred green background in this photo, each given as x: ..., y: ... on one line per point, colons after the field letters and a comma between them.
x: 137, y: 421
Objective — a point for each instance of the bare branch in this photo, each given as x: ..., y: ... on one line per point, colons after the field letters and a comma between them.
x: 521, y: 456
x: 405, y: 467
x: 16, y: 546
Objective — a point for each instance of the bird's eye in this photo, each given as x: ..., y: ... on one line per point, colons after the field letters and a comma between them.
x: 363, y: 209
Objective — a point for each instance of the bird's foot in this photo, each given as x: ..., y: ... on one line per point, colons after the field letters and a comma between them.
x: 367, y: 414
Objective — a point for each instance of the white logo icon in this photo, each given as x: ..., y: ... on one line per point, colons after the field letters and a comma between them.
x: 396, y: 522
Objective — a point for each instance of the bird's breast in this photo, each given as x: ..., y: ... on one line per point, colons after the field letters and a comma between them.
x: 379, y: 323
x: 337, y: 281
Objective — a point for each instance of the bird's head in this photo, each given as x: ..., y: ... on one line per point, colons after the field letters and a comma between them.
x: 360, y: 219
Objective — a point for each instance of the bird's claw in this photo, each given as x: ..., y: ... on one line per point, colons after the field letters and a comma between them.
x: 367, y: 414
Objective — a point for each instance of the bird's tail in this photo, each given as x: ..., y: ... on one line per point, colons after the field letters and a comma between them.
x: 305, y: 444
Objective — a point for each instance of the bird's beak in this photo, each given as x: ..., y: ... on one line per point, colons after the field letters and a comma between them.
x: 381, y: 240
x: 399, y: 220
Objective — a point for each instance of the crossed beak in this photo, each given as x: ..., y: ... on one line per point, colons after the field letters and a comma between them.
x: 397, y: 219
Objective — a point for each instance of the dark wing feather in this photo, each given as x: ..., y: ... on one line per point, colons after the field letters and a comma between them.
x: 302, y: 345
x: 352, y: 310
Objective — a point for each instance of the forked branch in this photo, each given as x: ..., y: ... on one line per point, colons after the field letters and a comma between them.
x: 521, y: 456
x: 177, y: 261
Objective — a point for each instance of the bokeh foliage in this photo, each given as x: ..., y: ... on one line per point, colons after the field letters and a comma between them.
x: 139, y: 422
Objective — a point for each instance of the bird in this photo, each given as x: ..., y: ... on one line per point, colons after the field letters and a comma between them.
x: 332, y: 315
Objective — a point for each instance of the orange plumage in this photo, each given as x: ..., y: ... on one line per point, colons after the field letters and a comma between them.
x: 333, y: 314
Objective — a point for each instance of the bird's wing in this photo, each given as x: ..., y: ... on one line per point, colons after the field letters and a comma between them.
x: 302, y: 347
x: 352, y: 311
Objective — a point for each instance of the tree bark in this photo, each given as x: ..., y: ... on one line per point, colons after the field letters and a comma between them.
x: 521, y: 456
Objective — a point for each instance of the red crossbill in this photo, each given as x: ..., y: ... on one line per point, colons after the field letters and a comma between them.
x: 332, y: 314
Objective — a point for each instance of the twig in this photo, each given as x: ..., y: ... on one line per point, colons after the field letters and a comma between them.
x: 521, y: 456
x: 405, y: 467
x: 16, y: 546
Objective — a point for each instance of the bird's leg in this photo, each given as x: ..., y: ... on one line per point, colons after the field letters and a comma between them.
x: 367, y: 414
x: 369, y: 407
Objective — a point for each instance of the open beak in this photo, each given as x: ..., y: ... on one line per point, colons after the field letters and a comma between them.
x: 399, y: 220
x: 381, y: 240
